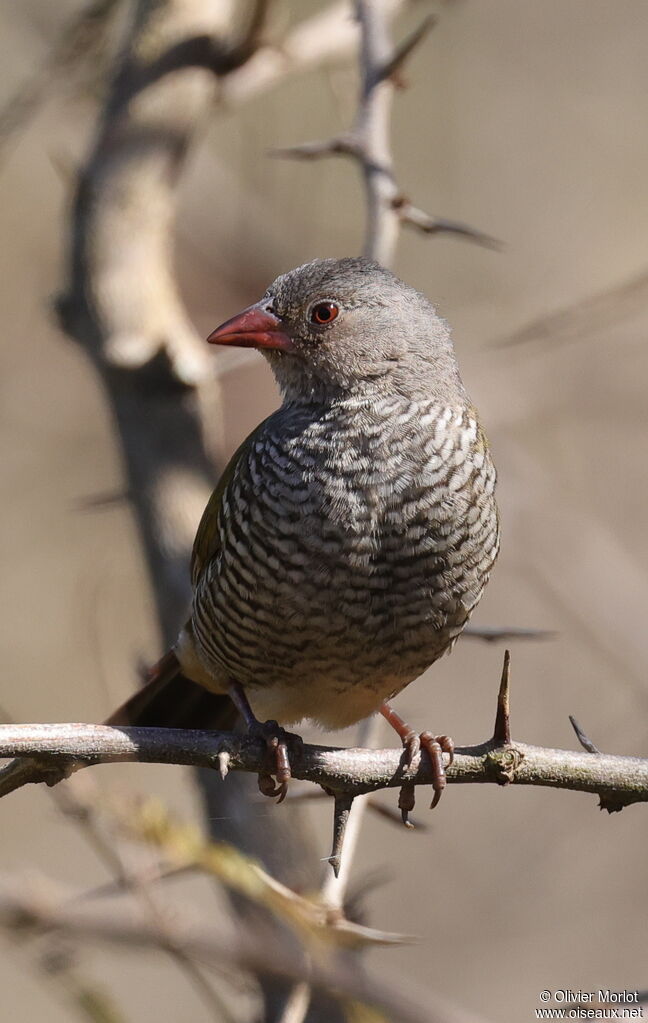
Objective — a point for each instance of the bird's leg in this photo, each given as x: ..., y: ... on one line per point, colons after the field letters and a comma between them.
x: 276, y: 740
x: 434, y: 745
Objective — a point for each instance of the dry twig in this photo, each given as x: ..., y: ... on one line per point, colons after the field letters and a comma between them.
x: 49, y: 907
x: 81, y: 806
x: 368, y: 141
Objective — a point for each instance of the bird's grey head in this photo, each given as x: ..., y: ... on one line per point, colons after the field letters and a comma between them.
x: 340, y: 325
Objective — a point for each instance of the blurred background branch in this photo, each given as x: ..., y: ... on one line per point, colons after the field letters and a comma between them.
x: 368, y: 142
x: 46, y: 907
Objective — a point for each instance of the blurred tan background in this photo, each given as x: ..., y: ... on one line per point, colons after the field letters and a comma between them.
x: 529, y: 121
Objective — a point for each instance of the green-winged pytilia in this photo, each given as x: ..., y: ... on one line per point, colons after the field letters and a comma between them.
x: 352, y: 533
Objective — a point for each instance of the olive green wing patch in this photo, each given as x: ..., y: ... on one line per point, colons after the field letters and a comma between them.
x: 207, y: 542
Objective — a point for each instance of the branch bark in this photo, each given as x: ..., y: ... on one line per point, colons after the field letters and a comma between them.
x: 368, y: 142
x: 619, y: 780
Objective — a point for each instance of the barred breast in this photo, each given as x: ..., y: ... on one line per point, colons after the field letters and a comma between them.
x: 355, y: 541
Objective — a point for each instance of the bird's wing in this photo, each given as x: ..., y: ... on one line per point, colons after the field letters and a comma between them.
x: 207, y: 542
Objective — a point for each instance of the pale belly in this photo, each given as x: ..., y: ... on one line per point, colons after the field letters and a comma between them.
x: 341, y: 691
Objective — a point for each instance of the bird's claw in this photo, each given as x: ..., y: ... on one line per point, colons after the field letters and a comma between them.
x: 273, y: 782
x: 406, y: 801
x: 435, y: 746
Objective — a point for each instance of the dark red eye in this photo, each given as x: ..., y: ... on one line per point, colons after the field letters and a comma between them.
x: 324, y: 312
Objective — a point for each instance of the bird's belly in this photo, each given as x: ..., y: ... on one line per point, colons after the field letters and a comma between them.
x: 338, y: 680
x: 332, y: 638
x: 334, y: 589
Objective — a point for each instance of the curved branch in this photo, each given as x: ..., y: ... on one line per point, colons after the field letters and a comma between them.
x: 619, y: 780
x: 369, y: 140
x: 327, y: 37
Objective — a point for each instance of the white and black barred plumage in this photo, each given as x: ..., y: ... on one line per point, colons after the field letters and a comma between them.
x: 357, y: 528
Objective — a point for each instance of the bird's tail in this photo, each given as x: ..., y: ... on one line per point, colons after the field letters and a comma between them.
x: 170, y: 700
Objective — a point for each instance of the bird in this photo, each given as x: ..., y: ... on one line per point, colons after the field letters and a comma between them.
x: 351, y: 535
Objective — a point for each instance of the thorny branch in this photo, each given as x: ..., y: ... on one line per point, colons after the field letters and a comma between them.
x: 345, y: 773
x: 368, y: 141
x: 618, y: 780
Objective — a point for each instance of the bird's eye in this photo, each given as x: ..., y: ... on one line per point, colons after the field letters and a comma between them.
x: 323, y: 313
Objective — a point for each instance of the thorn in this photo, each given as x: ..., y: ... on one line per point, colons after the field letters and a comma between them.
x: 502, y: 730
x: 380, y: 809
x: 585, y: 742
x: 28, y: 770
x: 611, y: 802
x: 406, y: 798
x: 438, y: 225
x: 223, y: 763
x: 341, y: 811
x: 500, y: 634
x: 403, y: 51
x: 106, y: 499
x: 340, y: 145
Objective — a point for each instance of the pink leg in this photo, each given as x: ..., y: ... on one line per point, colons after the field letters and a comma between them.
x: 434, y: 745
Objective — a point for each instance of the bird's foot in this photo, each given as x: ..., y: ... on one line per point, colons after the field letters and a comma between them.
x: 274, y: 780
x: 434, y: 745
